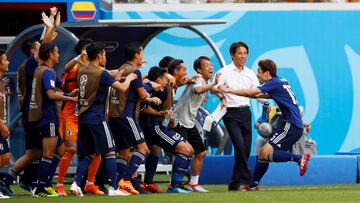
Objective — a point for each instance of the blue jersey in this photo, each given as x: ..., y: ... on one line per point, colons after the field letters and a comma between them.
x: 49, y: 115
x: 95, y: 114
x: 133, y: 96
x: 162, y: 96
x: 30, y: 67
x: 280, y: 91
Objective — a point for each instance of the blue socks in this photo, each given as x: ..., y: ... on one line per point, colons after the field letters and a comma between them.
x: 121, y: 167
x: 284, y: 156
x: 10, y: 177
x: 150, y: 168
x: 180, y: 168
x: 110, y: 169
x: 44, y: 173
x: 134, y: 164
x: 55, y: 163
x: 259, y: 171
x: 82, y: 168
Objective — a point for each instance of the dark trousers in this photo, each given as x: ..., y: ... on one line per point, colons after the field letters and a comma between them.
x: 238, y: 123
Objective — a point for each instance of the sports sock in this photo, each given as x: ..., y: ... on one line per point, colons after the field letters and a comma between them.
x: 55, y: 163
x: 64, y: 166
x: 150, y: 168
x: 93, y: 168
x: 110, y: 169
x: 134, y: 164
x: 259, y: 171
x: 121, y: 165
x: 284, y: 156
x: 10, y: 177
x: 194, y: 180
x: 81, y: 169
x: 34, y: 172
x: 44, y: 173
x: 180, y: 168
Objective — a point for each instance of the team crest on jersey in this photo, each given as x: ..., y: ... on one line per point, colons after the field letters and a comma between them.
x: 177, y: 136
x: 68, y: 132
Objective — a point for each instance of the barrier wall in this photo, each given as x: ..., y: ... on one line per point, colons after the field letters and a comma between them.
x: 339, y: 169
x: 316, y: 47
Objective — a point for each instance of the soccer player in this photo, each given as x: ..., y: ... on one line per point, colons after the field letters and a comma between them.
x: 4, y: 131
x: 68, y: 128
x: 153, y: 158
x: 123, y: 114
x: 291, y: 128
x: 186, y: 111
x: 157, y: 133
x: 29, y: 48
x: 94, y: 136
x: 33, y: 145
x: 43, y: 111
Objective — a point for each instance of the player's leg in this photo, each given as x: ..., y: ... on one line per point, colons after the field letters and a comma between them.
x: 90, y: 187
x: 105, y: 145
x: 198, y: 144
x: 49, y: 134
x: 68, y: 131
x: 135, y: 138
x: 151, y: 163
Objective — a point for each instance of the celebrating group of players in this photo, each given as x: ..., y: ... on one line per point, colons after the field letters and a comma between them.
x: 115, y: 120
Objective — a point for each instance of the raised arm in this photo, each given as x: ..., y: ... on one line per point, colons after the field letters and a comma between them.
x: 205, y: 88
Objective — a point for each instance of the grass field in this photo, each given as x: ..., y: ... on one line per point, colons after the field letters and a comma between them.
x: 219, y: 194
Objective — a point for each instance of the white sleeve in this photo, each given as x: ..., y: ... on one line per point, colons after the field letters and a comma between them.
x: 255, y: 80
x: 222, y: 78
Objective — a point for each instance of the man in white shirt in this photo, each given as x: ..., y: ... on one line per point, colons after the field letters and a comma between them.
x: 185, y: 113
x: 237, y: 119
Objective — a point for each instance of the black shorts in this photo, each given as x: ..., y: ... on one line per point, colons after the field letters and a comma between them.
x: 193, y: 136
x: 164, y: 137
x: 4, y: 147
x: 33, y: 139
x: 285, y: 136
x: 95, y: 139
x: 127, y: 132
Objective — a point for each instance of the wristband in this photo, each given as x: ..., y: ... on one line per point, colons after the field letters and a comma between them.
x: 66, y: 94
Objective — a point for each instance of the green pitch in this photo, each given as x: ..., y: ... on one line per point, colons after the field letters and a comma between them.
x: 218, y: 194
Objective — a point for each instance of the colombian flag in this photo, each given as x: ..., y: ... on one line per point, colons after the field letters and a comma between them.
x: 84, y: 10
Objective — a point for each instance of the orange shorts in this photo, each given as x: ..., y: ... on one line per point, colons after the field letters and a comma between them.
x: 69, y: 132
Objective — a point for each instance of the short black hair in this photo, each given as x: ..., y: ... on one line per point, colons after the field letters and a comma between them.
x: 94, y: 49
x: 83, y: 43
x: 27, y: 45
x: 174, y: 65
x: 197, y: 62
x: 45, y: 50
x: 268, y: 65
x: 131, y: 49
x: 155, y: 72
x: 164, y: 62
x: 234, y: 46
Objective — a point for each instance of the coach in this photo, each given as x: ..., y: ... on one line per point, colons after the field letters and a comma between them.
x: 237, y: 119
